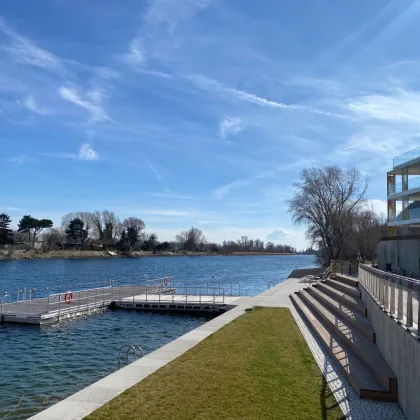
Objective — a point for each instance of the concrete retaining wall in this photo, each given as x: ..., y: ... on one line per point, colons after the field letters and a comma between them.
x: 404, y: 253
x: 402, y: 352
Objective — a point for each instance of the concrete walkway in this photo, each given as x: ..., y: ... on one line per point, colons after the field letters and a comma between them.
x: 89, y: 399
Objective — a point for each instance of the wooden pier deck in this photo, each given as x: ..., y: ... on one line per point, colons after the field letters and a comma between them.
x: 67, y: 305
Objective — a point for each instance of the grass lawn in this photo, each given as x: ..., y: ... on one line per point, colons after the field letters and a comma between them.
x: 256, y: 367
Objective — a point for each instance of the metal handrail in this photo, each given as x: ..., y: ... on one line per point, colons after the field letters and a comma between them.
x: 397, y: 295
x: 133, y: 347
x: 271, y: 283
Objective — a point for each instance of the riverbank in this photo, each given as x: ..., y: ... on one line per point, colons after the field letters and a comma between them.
x: 80, y: 254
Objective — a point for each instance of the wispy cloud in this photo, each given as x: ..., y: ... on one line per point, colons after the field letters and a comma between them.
x: 168, y: 212
x: 230, y: 126
x: 172, y: 12
x: 222, y: 191
x: 175, y: 196
x: 399, y: 106
x: 136, y: 53
x: 207, y: 84
x: 20, y: 159
x: 86, y: 153
x: 154, y: 170
x: 7, y: 208
x: 24, y: 51
x: 30, y: 104
x: 354, y: 146
x: 91, y: 103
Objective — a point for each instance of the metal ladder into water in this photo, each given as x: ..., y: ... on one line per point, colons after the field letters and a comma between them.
x: 130, y: 347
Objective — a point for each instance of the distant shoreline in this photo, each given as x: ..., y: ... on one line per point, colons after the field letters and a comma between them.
x: 88, y: 254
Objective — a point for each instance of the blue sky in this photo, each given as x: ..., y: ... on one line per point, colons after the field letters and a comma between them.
x: 200, y: 112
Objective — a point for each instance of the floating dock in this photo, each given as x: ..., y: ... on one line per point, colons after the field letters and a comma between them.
x: 163, y: 296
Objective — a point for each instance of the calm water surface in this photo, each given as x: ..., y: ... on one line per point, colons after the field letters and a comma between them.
x: 46, y: 364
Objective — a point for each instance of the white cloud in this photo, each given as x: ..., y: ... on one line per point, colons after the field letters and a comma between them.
x: 222, y: 191
x: 168, y: 212
x: 208, y: 84
x: 30, y: 104
x: 379, y: 206
x: 93, y: 105
x: 24, y: 51
x: 400, y: 106
x: 172, y: 12
x: 154, y: 170
x: 136, y: 53
x: 107, y: 73
x: 7, y: 208
x: 278, y: 235
x: 230, y: 126
x: 87, y: 153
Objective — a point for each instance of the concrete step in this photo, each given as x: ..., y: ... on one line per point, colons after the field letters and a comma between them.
x: 367, y: 351
x: 348, y: 314
x: 343, y: 287
x: 359, y: 375
x: 342, y: 278
x: 347, y: 300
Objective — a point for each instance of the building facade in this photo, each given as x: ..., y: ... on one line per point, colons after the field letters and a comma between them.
x: 403, y: 192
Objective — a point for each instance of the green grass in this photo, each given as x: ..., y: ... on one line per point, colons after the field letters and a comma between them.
x: 257, y: 367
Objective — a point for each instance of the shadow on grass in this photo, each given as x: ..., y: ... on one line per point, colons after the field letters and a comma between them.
x: 327, y: 400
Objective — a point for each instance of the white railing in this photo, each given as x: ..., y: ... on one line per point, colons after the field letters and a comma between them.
x: 397, y: 295
x: 183, y: 293
x: 69, y: 302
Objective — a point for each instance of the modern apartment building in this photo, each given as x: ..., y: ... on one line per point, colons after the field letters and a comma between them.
x: 404, y: 194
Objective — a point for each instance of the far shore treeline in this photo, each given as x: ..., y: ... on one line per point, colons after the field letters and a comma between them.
x: 104, y: 230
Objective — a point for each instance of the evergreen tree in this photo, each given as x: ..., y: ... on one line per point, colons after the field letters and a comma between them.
x: 132, y: 237
x: 6, y: 234
x: 29, y: 224
x: 123, y: 244
x: 76, y: 231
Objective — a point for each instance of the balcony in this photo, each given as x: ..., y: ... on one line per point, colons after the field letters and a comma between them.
x: 406, y: 157
x: 412, y: 213
x: 412, y: 183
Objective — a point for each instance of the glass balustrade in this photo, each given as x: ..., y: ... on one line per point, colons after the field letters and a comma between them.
x: 406, y: 157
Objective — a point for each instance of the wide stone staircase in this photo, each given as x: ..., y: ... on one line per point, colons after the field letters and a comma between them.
x: 336, y: 313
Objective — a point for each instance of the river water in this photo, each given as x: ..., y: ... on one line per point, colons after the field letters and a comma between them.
x: 42, y: 365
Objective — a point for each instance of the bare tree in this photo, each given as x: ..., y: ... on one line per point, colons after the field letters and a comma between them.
x: 106, y: 225
x: 190, y: 238
x: 98, y: 227
x: 244, y: 242
x: 50, y: 237
x: 326, y: 200
x: 134, y: 223
x: 368, y: 228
